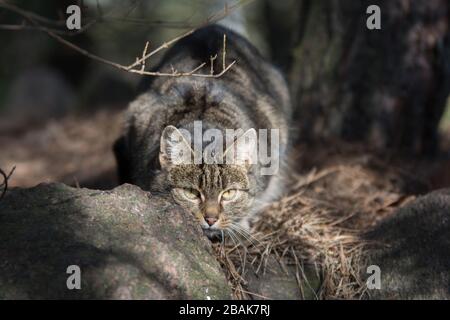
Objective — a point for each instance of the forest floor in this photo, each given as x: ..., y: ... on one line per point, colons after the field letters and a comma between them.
x: 76, y: 150
x: 337, y: 188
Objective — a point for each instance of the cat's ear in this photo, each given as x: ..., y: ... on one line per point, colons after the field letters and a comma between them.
x: 175, y: 147
x: 243, y: 150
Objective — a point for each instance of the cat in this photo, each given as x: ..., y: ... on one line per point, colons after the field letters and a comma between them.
x: 250, y: 96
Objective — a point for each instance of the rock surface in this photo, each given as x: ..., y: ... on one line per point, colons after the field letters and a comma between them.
x: 128, y: 244
x: 415, y: 257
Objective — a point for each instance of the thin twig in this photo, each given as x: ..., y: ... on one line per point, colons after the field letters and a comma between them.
x: 143, y: 54
x: 5, y: 181
x: 211, y: 59
x: 139, y: 62
x: 55, y: 23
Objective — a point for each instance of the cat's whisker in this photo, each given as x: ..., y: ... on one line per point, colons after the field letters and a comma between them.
x: 225, y: 225
x: 234, y: 237
x: 239, y: 236
x: 250, y: 239
x: 240, y: 232
x: 246, y: 232
x: 242, y: 259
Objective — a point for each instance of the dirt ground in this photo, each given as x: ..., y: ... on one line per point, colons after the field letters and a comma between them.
x: 75, y: 150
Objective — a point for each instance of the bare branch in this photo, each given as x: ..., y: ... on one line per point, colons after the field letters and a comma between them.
x: 100, y: 17
x: 38, y: 19
x: 21, y: 27
x: 4, y: 184
x: 211, y: 19
x: 140, y: 62
x: 211, y: 59
x: 165, y: 45
x: 143, y: 55
x: 103, y: 19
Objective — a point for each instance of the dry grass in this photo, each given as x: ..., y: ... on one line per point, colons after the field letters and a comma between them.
x: 317, y: 226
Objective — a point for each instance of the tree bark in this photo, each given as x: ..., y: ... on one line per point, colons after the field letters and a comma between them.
x: 385, y: 87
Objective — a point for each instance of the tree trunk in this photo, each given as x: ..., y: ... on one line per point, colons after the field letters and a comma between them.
x: 385, y: 87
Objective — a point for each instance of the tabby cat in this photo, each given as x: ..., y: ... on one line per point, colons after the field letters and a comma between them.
x: 250, y: 96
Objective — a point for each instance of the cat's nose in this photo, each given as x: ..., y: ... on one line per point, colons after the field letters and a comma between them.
x: 210, y: 221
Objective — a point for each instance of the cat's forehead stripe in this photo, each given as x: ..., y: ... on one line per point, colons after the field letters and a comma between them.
x: 211, y: 178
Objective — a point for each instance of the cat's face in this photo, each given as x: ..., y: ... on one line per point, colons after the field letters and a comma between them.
x: 218, y: 195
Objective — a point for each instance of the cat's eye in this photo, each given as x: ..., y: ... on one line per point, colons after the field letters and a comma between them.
x: 229, y: 195
x: 190, y: 194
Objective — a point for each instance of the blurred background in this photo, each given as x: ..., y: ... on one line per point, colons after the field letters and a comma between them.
x: 379, y: 97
